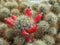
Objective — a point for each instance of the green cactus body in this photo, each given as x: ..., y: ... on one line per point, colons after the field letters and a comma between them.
x: 45, y: 2
x: 8, y: 4
x: 19, y: 40
x: 14, y: 4
x: 43, y: 8
x: 56, y: 8
x: 34, y: 13
x: 29, y: 43
x: 52, y: 31
x: 24, y: 23
x: 2, y: 28
x: 52, y: 2
x: 49, y: 40
x: 3, y: 42
x: 39, y: 42
x: 43, y: 25
x: 4, y: 13
x: 15, y: 12
x: 35, y: 7
x: 51, y: 19
x: 23, y: 6
x: 9, y: 33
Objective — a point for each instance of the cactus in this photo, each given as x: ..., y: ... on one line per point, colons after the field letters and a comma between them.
x: 39, y: 42
x: 19, y: 40
x: 34, y: 13
x: 35, y: 7
x: 29, y: 44
x: 56, y: 8
x: 11, y: 4
x: 49, y: 40
x: 3, y: 42
x: 24, y: 23
x: 2, y: 28
x: 9, y: 33
x: 51, y: 19
x: 43, y: 8
x: 43, y: 25
x: 23, y: 6
x: 52, y: 31
x: 4, y: 13
x: 52, y: 2
x: 14, y: 4
x: 8, y: 4
x: 15, y: 12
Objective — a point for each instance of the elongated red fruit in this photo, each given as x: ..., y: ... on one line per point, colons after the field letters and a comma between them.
x: 38, y: 18
x: 8, y: 21
x: 28, y: 12
x: 24, y: 33
x: 13, y: 17
x: 29, y: 39
x: 32, y: 30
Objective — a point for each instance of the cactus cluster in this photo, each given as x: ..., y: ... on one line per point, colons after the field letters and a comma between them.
x: 25, y: 23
